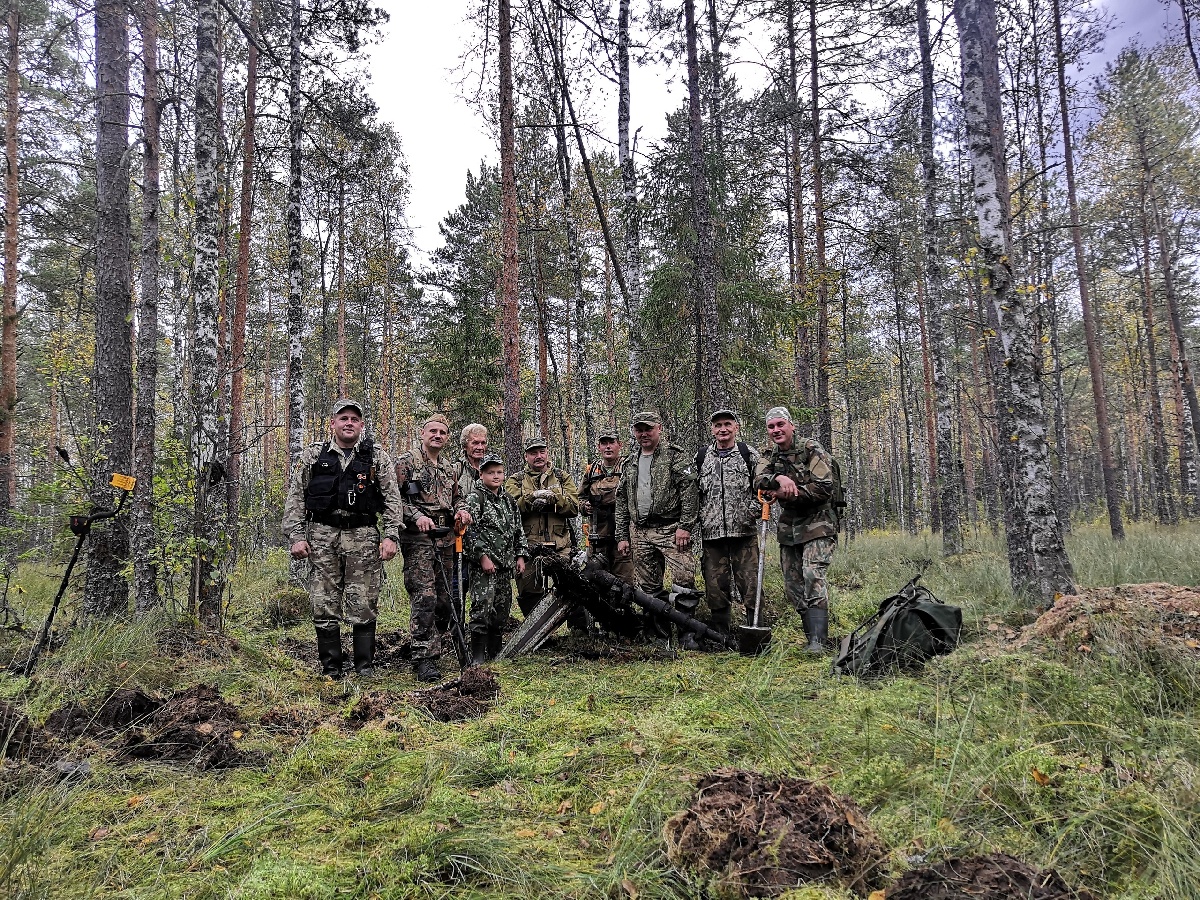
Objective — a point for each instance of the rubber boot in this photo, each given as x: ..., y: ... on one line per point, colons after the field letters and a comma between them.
x: 479, y: 642
x: 528, y: 602
x: 329, y: 647
x: 427, y: 670
x: 364, y: 650
x: 816, y: 627
x: 687, y: 640
x: 495, y: 642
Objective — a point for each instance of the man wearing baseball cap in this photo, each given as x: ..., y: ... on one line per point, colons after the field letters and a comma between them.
x: 337, y: 491
x: 598, y: 500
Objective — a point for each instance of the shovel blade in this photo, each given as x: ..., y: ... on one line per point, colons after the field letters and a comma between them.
x: 752, y: 640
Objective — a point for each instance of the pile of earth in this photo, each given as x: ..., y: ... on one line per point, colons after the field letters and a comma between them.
x: 467, y: 697
x: 184, y: 640
x: 762, y: 835
x: 996, y: 876
x: 1146, y: 614
x: 19, y: 738
x: 195, y: 726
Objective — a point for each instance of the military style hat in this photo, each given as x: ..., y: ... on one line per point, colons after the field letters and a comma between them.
x: 608, y: 436
x: 439, y: 418
x: 725, y: 414
x: 646, y: 417
x: 778, y: 412
x: 490, y: 460
x: 345, y: 403
x: 535, y: 442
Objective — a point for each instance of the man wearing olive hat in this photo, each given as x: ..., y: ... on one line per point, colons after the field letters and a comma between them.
x: 432, y: 502
x: 547, y: 498
x: 657, y: 510
x: 337, y: 491
x: 598, y: 500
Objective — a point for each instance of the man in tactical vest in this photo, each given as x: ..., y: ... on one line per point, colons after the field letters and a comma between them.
x: 656, y: 517
x: 729, y: 514
x: 336, y: 493
x: 799, y: 475
x: 598, y: 501
x: 433, y: 507
x: 547, y: 497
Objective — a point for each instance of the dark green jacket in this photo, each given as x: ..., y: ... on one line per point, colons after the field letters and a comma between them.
x: 495, y: 529
x: 809, y: 516
x: 673, y: 497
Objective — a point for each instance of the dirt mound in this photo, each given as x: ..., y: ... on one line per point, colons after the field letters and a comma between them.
x: 289, y: 721
x: 371, y: 705
x: 195, y: 726
x: 763, y: 835
x: 393, y: 649
x: 467, y: 697
x: 18, y: 736
x: 1145, y: 612
x: 996, y: 876
x: 122, y: 708
x: 184, y: 640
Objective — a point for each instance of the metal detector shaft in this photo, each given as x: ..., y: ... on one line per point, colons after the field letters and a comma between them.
x: 82, y: 526
x: 762, y: 557
x: 457, y: 634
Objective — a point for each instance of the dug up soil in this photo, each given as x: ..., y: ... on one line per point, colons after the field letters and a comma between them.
x: 996, y: 876
x: 467, y: 697
x: 1146, y: 614
x: 762, y: 835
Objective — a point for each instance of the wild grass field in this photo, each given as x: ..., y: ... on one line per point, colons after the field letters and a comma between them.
x: 1083, y: 760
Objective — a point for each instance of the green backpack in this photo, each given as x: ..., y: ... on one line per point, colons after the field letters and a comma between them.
x: 910, y: 627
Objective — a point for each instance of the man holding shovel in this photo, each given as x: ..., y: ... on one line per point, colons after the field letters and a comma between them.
x: 799, y: 475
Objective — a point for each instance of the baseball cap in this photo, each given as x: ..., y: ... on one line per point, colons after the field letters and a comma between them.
x: 345, y: 403
x: 534, y: 442
x: 647, y: 417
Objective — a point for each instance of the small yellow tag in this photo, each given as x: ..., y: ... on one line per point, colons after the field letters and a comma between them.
x: 122, y: 482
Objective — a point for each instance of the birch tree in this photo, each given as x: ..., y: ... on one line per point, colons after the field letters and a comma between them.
x: 510, y: 333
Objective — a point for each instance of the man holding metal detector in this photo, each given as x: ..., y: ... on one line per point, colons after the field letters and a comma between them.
x: 434, y: 507
x: 337, y: 491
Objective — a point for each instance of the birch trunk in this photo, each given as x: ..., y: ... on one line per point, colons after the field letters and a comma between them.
x: 145, y: 569
x: 1050, y: 570
x: 106, y: 591
x: 824, y: 417
x: 510, y: 334
x: 946, y: 484
x: 241, y: 291
x: 295, y: 307
x: 206, y: 593
x: 629, y: 210
x: 1108, y: 466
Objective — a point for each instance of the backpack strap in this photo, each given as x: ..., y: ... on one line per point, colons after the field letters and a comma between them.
x: 742, y: 447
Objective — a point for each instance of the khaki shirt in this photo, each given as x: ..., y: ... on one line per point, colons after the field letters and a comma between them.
x: 549, y: 524
x: 295, y: 517
x: 599, y: 489
x: 809, y: 516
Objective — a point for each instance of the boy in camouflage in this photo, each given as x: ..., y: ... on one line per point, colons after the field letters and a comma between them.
x: 496, y: 547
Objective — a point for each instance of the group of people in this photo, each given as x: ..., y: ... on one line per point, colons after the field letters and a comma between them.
x: 350, y: 508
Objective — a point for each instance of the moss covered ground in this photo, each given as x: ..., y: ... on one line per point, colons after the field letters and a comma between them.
x: 1087, y: 762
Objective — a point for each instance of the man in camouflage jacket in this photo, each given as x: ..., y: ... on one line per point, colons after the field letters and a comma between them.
x: 598, y: 500
x: 799, y: 476
x: 431, y: 501
x: 729, y: 515
x: 337, y: 490
x: 656, y: 518
x: 547, y: 497
x: 496, y: 548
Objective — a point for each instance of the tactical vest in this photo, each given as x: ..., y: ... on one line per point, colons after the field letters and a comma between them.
x: 600, y: 490
x: 344, y: 498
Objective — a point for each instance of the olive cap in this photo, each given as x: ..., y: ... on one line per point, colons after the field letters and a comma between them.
x: 345, y: 403
x: 725, y: 414
x: 535, y: 442
x: 490, y: 460
x: 647, y: 417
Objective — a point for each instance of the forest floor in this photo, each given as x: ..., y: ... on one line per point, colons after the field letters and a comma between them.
x: 146, y: 761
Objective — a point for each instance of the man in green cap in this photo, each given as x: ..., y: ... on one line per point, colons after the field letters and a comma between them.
x: 337, y: 491
x: 547, y: 497
x: 656, y: 515
x: 798, y: 474
x: 598, y: 500
x: 433, y: 507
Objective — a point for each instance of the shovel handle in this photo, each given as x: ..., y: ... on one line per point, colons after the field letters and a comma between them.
x: 766, y: 508
x: 459, y: 530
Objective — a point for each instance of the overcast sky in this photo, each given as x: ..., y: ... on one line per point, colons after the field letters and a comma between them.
x: 416, y: 89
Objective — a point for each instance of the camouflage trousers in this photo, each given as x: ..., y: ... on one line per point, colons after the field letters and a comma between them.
x: 725, y: 563
x: 654, y: 553
x: 428, y: 584
x: 804, y: 568
x: 491, y: 599
x: 346, y: 573
x: 604, y: 552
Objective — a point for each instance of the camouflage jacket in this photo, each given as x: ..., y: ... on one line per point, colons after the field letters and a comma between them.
x: 495, y: 528
x: 549, y: 524
x: 728, y: 504
x: 427, y: 489
x: 466, y: 475
x: 599, y: 490
x: 810, y: 515
x: 673, y: 497
x: 295, y: 519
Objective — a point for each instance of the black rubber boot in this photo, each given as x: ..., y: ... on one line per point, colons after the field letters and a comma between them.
x: 364, y: 649
x: 427, y: 670
x: 816, y: 627
x: 329, y: 647
x: 528, y: 602
x: 687, y: 640
x: 479, y: 641
x: 495, y: 642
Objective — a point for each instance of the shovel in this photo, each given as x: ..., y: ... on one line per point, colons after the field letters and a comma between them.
x: 754, y: 639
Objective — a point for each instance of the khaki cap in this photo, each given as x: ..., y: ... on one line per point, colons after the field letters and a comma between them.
x: 535, y: 442
x: 345, y: 403
x: 647, y: 417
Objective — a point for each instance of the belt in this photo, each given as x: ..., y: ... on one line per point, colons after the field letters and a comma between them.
x: 345, y: 521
